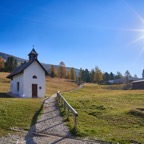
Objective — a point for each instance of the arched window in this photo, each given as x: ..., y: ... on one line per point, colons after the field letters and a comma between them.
x: 34, y: 77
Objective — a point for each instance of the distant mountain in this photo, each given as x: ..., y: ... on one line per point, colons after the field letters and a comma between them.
x: 5, y: 56
x: 21, y: 60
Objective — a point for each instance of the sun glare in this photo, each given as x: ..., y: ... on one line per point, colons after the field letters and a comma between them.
x: 140, y: 31
x: 140, y: 18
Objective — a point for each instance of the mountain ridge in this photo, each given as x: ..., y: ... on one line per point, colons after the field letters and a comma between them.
x: 22, y: 60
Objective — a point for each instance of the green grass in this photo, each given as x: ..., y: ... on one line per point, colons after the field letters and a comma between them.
x: 105, y: 114
x: 16, y: 112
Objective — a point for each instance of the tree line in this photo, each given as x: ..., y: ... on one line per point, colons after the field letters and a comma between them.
x: 11, y: 64
x: 63, y: 72
x: 93, y: 76
x: 8, y: 66
x: 97, y: 76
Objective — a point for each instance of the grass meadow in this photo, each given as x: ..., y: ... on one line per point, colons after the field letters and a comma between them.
x: 22, y: 113
x: 108, y: 113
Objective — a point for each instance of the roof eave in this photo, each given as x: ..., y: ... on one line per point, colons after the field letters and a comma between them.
x: 9, y: 76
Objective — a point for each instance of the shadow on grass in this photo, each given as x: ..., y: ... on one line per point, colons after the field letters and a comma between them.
x: 36, y: 115
x: 29, y: 138
x: 5, y: 95
x: 138, y: 112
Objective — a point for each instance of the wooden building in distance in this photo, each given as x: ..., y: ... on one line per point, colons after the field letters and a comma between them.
x: 138, y: 84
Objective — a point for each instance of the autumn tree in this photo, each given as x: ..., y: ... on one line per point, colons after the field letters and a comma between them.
x: 53, y: 71
x: 11, y: 64
x: 62, y: 70
x: 98, y: 75
x: 72, y: 74
x: 2, y: 65
x: 68, y: 76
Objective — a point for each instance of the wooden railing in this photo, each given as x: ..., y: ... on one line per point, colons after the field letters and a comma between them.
x: 61, y: 100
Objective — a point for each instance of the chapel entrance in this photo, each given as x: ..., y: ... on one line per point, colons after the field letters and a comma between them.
x: 34, y: 90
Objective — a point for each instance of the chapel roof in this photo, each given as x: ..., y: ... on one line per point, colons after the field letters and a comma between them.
x: 22, y: 67
x: 33, y: 52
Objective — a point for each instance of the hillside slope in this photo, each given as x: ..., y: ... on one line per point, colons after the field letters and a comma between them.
x: 21, y: 60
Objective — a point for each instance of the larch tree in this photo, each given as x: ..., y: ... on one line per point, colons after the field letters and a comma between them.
x: 68, y: 76
x: 53, y: 71
x: 62, y: 70
x: 72, y: 74
x: 2, y: 64
x: 98, y: 75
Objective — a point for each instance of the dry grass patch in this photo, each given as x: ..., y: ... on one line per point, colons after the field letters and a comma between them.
x: 4, y: 82
x: 56, y: 84
x: 52, y: 84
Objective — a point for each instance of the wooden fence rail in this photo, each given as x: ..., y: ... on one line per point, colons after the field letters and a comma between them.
x: 62, y: 100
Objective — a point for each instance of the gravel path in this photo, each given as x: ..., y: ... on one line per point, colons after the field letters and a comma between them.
x: 52, y: 127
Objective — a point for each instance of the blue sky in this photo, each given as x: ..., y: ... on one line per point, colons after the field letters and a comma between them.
x: 82, y: 33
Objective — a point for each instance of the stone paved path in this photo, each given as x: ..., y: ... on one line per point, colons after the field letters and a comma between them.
x: 51, y: 124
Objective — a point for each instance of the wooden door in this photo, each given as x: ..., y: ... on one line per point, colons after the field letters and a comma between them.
x: 34, y: 90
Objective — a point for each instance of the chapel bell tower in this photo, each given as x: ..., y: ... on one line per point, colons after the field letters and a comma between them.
x: 33, y: 55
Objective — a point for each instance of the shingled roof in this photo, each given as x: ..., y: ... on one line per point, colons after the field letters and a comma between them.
x: 22, y: 67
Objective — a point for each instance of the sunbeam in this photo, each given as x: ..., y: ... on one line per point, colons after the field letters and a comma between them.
x: 139, y: 31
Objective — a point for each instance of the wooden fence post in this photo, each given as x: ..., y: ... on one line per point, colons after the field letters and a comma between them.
x: 65, y: 104
x: 75, y: 122
x: 68, y: 113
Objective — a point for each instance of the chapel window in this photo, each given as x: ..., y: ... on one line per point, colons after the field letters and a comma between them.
x: 34, y: 77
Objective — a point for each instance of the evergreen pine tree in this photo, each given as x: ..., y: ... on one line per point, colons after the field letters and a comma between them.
x: 143, y: 74
x: 11, y: 64
x: 111, y: 76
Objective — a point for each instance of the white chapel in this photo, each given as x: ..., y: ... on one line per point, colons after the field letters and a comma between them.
x: 28, y: 80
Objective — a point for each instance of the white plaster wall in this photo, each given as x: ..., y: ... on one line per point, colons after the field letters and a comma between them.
x: 13, y: 85
x: 29, y: 72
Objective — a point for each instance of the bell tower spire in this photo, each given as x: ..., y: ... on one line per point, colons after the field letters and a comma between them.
x: 33, y: 55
